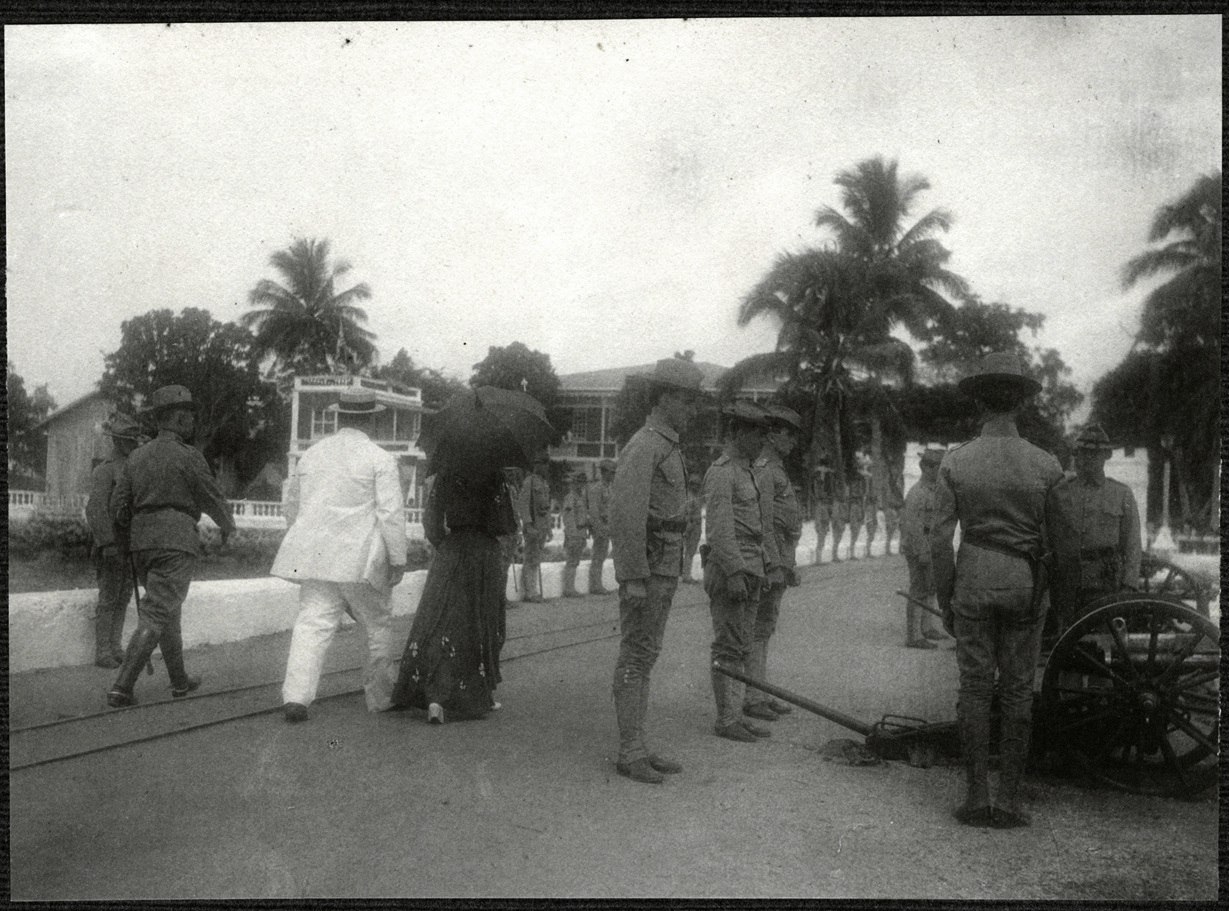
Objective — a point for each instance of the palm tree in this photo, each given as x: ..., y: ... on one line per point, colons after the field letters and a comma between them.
x: 306, y: 323
x: 1180, y: 322
x: 838, y: 306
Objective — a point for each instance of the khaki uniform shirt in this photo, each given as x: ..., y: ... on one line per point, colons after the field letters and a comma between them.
x: 917, y: 521
x: 534, y: 506
x: 575, y: 516
x: 1099, y: 518
x: 598, y: 497
x: 98, y: 507
x: 786, y: 513
x: 739, y: 513
x: 163, y: 488
x: 650, y: 487
x: 1001, y: 489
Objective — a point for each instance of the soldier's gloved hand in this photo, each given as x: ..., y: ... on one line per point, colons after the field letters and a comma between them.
x: 635, y: 594
x: 736, y: 587
x: 792, y: 579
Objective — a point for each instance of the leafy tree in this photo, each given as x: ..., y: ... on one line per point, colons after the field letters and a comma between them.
x: 839, y: 306
x: 517, y: 367
x: 436, y: 387
x: 307, y: 324
x: 27, y: 447
x: 241, y: 421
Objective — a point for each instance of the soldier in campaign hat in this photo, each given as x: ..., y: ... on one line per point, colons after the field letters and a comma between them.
x: 782, y: 534
x: 111, y: 563
x: 1002, y: 491
x: 1100, y: 529
x: 647, y: 524
x: 163, y: 488
x: 742, y: 553
x: 575, y: 516
x: 533, y: 509
x: 917, y: 523
x: 598, y: 497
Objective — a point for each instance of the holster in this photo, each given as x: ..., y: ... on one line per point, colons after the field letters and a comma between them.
x: 1040, y: 565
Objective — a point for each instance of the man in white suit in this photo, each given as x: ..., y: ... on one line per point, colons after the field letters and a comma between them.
x: 346, y: 547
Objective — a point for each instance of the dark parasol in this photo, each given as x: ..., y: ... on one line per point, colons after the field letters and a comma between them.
x: 480, y: 431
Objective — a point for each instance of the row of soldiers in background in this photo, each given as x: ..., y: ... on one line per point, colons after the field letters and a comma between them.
x: 852, y: 505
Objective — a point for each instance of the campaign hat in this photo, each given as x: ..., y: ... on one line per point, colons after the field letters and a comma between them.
x: 1000, y: 368
x: 779, y: 414
x: 746, y: 413
x: 1093, y: 436
x: 675, y: 373
x: 932, y: 456
x: 122, y: 427
x: 172, y: 396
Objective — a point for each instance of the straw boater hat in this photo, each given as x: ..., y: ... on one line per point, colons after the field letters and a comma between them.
x: 674, y: 373
x: 999, y: 369
x: 779, y: 414
x: 122, y: 427
x: 357, y: 400
x: 169, y: 397
x: 1093, y: 436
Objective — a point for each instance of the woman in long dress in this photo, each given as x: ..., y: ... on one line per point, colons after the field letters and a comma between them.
x: 451, y: 662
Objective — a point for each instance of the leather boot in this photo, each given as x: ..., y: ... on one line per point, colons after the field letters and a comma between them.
x: 1013, y: 753
x: 629, y: 716
x: 140, y: 647
x: 116, y: 641
x: 754, y: 700
x: 975, y: 744
x: 103, y: 657
x: 781, y: 708
x: 569, y: 582
x: 172, y: 654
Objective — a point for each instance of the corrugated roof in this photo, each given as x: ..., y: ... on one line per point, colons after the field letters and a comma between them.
x: 611, y: 379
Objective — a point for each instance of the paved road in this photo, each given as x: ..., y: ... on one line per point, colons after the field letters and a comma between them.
x: 526, y: 803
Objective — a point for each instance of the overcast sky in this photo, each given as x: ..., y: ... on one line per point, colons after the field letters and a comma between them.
x: 605, y: 192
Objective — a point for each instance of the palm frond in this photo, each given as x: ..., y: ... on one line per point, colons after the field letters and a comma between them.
x: 1171, y: 258
x: 768, y: 365
x: 933, y: 221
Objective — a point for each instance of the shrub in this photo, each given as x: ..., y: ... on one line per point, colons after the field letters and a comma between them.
x: 69, y: 536
x: 251, y: 548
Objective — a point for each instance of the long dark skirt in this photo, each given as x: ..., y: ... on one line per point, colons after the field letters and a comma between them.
x: 452, y: 655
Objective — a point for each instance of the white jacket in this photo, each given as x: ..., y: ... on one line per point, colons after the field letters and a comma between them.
x: 345, y: 512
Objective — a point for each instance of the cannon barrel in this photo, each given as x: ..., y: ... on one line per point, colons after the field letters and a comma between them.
x: 802, y: 702
x: 926, y: 607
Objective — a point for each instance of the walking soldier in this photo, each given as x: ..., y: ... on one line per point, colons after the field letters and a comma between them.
x: 162, y: 490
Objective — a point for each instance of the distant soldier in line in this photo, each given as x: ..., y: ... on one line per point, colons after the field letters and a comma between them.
x: 1002, y: 491
x: 891, y: 501
x: 739, y: 518
x: 575, y: 515
x: 597, y: 500
x: 646, y: 526
x: 829, y: 510
x: 1101, y: 524
x: 534, y: 508
x: 785, y: 530
x: 917, y: 523
x: 863, y: 507
x: 162, y: 490
x: 111, y: 563
x: 695, y: 527
x: 509, y: 544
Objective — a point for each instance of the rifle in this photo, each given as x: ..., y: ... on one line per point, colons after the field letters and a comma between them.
x: 922, y: 605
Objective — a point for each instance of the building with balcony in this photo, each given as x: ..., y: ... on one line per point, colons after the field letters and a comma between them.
x: 591, y: 396
x: 397, y: 427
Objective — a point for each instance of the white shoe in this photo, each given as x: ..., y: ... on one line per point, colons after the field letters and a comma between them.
x: 435, y: 713
x: 496, y: 706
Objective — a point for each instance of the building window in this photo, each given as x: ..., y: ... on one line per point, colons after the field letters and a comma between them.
x: 324, y: 422
x: 406, y: 429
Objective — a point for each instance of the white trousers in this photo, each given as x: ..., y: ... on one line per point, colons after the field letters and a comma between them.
x: 321, y: 605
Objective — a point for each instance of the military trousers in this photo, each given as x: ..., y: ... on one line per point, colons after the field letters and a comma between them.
x: 535, y: 543
x: 573, y: 550
x: 822, y: 513
x: 166, y: 576
x: 998, y: 644
x: 601, y: 549
x: 733, y: 620
x: 643, y: 628
x: 921, y: 588
x: 113, y: 572
x: 691, y: 543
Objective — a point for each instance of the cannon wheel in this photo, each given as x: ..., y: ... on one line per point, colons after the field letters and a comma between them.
x: 1160, y: 577
x: 1131, y: 695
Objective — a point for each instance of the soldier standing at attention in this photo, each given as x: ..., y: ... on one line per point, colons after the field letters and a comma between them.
x: 825, y: 498
x: 888, y: 496
x: 862, y: 507
x: 162, y: 490
x: 646, y: 528
x: 1002, y: 491
x: 1101, y: 523
x: 111, y: 561
x: 597, y: 499
x: 917, y: 523
x: 695, y: 525
x: 785, y: 530
x: 534, y: 508
x: 575, y: 532
x: 739, y: 521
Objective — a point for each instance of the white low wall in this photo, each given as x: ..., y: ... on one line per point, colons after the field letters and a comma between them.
x: 56, y: 629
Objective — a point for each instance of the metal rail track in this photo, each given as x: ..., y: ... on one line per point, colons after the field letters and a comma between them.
x: 184, y: 727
